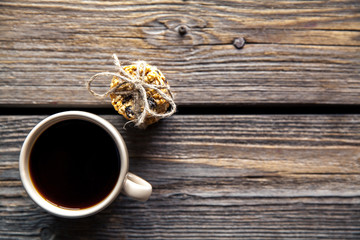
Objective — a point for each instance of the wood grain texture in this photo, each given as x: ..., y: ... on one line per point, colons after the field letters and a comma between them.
x: 214, y: 177
x: 295, y: 52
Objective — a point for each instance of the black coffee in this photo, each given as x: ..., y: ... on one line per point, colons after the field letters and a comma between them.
x: 74, y: 164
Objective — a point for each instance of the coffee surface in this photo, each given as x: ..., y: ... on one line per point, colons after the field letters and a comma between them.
x: 74, y: 164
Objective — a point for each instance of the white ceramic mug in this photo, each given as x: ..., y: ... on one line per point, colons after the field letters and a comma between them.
x: 128, y: 183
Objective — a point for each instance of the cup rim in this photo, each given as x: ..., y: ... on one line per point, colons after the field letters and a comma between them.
x: 25, y: 156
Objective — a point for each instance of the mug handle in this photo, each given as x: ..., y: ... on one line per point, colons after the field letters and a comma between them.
x: 136, y: 187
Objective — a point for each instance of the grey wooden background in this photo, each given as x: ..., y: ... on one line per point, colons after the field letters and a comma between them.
x: 217, y: 172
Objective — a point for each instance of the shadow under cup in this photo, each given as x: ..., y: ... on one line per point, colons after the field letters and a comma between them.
x: 73, y: 165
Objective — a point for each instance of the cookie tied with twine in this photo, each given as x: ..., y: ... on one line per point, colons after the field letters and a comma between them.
x: 139, y: 92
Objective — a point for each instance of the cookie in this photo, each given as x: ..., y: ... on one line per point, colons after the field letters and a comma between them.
x: 127, y: 101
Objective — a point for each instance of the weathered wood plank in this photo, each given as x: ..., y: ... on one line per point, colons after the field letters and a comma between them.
x: 296, y: 52
x: 218, y: 177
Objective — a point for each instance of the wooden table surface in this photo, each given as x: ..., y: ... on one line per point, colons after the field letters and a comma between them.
x: 266, y: 140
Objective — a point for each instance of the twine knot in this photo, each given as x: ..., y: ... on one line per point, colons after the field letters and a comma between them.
x: 139, y: 89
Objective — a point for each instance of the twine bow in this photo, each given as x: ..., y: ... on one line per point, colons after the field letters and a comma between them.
x: 138, y: 89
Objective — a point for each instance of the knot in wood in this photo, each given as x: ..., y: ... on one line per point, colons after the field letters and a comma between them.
x: 46, y: 234
x: 182, y: 30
